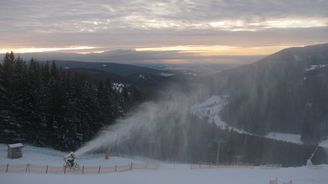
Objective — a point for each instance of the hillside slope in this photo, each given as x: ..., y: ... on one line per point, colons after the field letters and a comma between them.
x: 144, y: 79
x: 285, y: 92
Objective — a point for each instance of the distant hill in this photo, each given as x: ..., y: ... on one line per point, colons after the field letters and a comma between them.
x: 146, y: 80
x: 285, y: 92
x: 115, y: 68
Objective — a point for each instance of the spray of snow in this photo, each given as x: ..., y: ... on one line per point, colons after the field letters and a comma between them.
x: 144, y: 118
x: 324, y: 144
x: 286, y: 137
x: 148, y: 121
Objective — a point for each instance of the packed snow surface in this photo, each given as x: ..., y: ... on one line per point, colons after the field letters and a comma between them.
x: 210, y: 109
x: 287, y: 137
x: 48, y: 156
x: 168, y: 172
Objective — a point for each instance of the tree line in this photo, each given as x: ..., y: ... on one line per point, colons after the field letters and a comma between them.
x: 43, y: 104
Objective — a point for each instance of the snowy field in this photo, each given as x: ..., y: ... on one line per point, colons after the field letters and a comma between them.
x: 167, y: 173
x: 46, y: 156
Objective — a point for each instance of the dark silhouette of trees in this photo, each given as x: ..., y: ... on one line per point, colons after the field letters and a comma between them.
x: 43, y: 104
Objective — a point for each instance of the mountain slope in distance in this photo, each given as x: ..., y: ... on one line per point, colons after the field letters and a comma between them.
x: 284, y: 92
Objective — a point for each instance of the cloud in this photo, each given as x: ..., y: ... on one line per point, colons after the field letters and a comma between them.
x: 140, y: 57
x: 116, y: 24
x: 101, y: 15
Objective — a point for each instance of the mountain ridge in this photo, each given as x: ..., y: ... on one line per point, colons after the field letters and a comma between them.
x: 275, y: 93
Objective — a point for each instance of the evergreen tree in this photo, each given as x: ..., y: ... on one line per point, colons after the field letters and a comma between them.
x: 45, y: 105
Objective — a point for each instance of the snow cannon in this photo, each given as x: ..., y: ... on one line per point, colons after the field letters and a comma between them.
x: 69, y: 161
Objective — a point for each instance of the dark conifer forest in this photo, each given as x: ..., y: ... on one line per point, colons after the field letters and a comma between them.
x: 43, y: 104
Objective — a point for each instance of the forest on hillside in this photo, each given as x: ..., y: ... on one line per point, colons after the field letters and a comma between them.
x: 43, y: 104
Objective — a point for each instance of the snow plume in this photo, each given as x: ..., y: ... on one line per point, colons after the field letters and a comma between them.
x: 210, y: 109
x: 159, y: 123
x: 324, y: 145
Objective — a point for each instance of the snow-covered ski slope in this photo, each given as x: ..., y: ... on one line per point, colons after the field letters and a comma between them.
x: 210, y: 110
x: 167, y: 173
x: 47, y: 156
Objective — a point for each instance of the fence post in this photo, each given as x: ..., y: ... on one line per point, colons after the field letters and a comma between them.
x: 99, y: 169
x: 131, y: 165
x: 7, y: 166
x: 26, y: 167
x: 64, y: 170
x: 47, y: 169
x: 82, y: 169
x: 115, y: 168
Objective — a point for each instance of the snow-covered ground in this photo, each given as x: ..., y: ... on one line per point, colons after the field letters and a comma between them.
x: 210, y: 110
x: 181, y: 175
x: 167, y: 173
x: 47, y: 156
x: 118, y: 87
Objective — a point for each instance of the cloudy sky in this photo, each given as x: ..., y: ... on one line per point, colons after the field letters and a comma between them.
x: 195, y: 27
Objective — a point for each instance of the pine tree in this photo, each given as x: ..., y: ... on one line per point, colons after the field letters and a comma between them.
x: 45, y: 105
x: 12, y: 97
